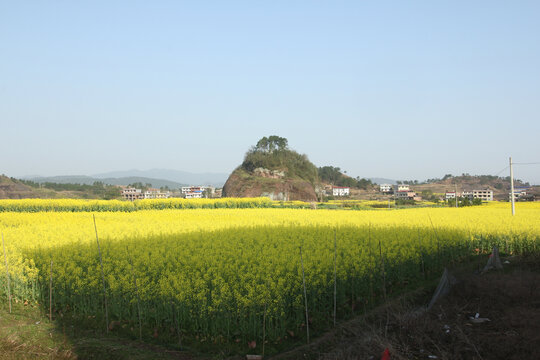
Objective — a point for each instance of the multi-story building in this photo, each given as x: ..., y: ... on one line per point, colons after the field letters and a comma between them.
x: 405, y: 195
x: 519, y: 193
x: 193, y: 192
x: 187, y: 189
x: 484, y: 195
x: 467, y: 194
x: 340, y: 191
x: 385, y: 188
x: 450, y: 195
x: 402, y: 187
x: 193, y: 195
x: 152, y: 193
x: 132, y: 194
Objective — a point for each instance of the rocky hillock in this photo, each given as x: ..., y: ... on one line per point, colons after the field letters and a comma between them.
x: 271, y: 169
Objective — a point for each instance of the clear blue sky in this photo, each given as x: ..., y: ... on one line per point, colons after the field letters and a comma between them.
x: 380, y: 89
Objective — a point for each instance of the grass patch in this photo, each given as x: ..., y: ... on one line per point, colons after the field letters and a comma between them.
x: 27, y: 334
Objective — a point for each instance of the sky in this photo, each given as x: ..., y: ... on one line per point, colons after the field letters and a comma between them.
x: 394, y: 89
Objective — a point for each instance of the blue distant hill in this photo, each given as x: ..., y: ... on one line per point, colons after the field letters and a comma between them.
x: 178, y: 176
x: 88, y: 180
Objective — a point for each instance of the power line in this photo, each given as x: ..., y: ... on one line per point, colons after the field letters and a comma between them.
x: 530, y: 163
x: 497, y: 174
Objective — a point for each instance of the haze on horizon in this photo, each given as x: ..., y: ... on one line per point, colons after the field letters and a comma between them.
x: 383, y: 89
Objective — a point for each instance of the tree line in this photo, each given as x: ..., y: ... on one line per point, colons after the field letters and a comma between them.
x: 334, y: 176
x: 97, y: 190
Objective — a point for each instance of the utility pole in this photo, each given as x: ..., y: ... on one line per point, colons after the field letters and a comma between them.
x: 456, y: 193
x: 512, y: 188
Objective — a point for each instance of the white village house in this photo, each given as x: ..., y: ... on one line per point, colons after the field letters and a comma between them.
x: 385, y: 188
x: 519, y: 193
x: 450, y: 195
x: 152, y: 193
x: 132, y: 194
x: 197, y: 192
x: 405, y: 195
x: 402, y: 187
x: 340, y: 191
x: 484, y: 195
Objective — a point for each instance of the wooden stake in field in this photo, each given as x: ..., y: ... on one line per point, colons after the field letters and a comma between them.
x: 102, y: 278
x: 383, y: 273
x: 137, y: 292
x: 438, y: 241
x: 370, y: 256
x: 50, y: 294
x: 335, y: 277
x: 305, y: 293
x: 7, y: 273
x: 384, y: 288
x: 264, y: 328
x: 421, y: 255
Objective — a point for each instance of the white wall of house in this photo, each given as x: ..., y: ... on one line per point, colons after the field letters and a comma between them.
x: 132, y: 194
x: 385, y: 187
x: 403, y: 187
x: 194, y: 195
x: 405, y: 194
x: 517, y: 194
x: 156, y: 194
x: 187, y: 189
x: 340, y: 191
x: 485, y: 195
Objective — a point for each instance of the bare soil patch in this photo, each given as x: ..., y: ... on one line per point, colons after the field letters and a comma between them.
x: 509, y: 299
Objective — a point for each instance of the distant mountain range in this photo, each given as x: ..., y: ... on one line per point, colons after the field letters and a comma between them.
x: 178, y: 176
x: 157, y: 177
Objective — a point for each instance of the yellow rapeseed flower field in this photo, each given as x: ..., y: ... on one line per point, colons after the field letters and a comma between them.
x: 222, y: 272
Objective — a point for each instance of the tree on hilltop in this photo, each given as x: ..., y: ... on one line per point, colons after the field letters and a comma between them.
x: 271, y: 143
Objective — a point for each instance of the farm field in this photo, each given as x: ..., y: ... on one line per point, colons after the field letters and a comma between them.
x: 232, y: 276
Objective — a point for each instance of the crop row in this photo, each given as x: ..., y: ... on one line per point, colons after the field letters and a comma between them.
x: 77, y: 205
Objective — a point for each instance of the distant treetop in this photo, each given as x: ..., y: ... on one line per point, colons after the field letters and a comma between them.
x: 272, y: 143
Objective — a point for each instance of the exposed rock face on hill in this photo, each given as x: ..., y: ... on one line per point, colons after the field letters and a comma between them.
x: 271, y: 183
